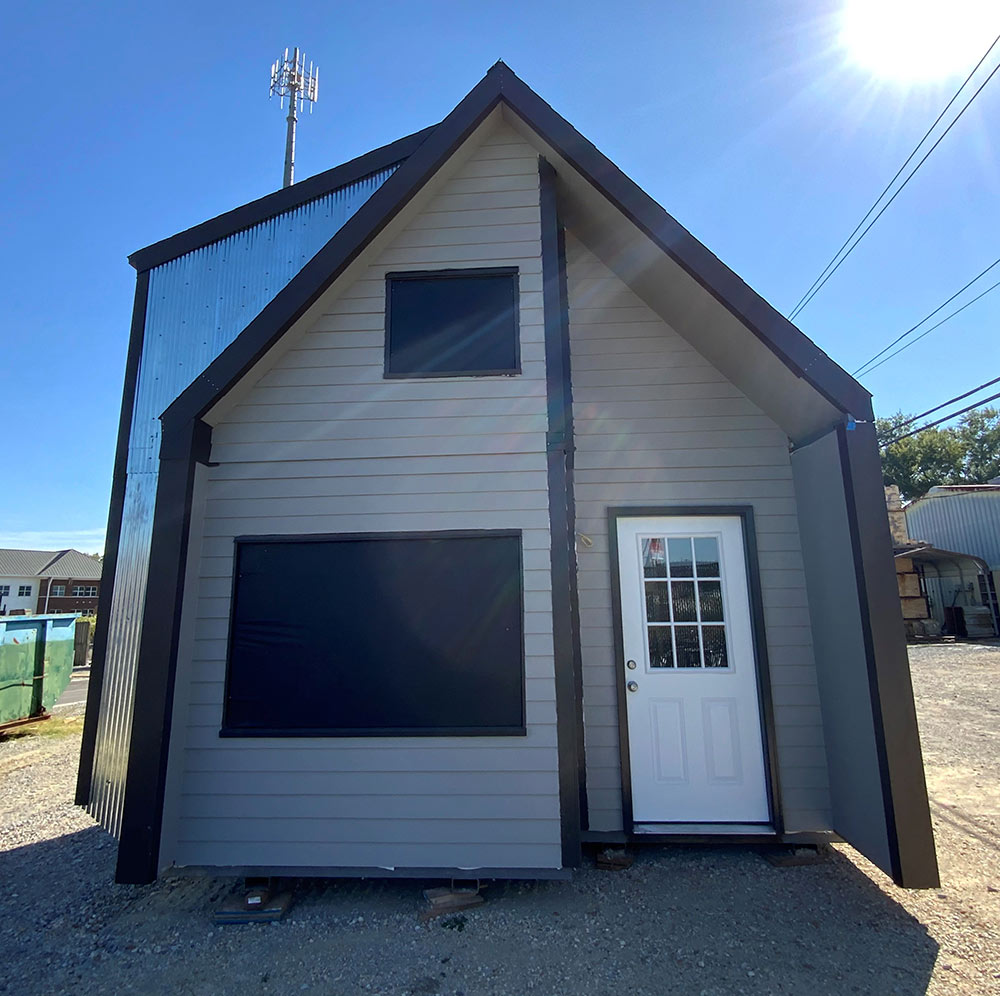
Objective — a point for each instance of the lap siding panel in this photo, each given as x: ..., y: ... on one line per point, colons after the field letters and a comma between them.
x: 323, y: 444
x: 657, y: 425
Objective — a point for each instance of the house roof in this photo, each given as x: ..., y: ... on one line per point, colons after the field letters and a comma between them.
x: 49, y: 564
x: 796, y: 353
x: 278, y: 202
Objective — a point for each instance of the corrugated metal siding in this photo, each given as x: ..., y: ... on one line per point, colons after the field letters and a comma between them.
x: 965, y: 522
x: 197, y: 305
x: 323, y: 443
x: 657, y: 424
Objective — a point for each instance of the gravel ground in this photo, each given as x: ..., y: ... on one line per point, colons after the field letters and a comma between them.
x: 681, y: 920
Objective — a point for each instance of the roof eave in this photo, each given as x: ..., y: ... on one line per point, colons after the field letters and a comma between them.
x: 277, y: 202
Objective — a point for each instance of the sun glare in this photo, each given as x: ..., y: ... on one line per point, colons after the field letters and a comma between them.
x: 915, y: 40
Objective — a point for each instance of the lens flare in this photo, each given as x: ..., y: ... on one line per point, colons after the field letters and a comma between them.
x: 918, y: 40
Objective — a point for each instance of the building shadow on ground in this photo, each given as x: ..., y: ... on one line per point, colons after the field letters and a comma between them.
x: 684, y: 919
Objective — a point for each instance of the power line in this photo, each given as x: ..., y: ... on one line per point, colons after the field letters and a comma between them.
x: 944, y: 418
x: 872, y: 365
x: 950, y: 401
x: 834, y: 264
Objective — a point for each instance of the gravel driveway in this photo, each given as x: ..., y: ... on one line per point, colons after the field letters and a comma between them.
x: 681, y: 920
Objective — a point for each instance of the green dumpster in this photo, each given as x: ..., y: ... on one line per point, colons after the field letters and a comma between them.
x: 36, y: 663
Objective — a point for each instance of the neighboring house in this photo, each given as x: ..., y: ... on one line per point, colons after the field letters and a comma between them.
x: 490, y: 515
x: 45, y: 581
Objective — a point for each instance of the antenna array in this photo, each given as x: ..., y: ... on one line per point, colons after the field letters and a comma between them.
x: 290, y: 79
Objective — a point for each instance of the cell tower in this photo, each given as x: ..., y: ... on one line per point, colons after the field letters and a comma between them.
x: 290, y: 80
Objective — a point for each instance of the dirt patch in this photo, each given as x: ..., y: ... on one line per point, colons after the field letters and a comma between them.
x: 680, y: 920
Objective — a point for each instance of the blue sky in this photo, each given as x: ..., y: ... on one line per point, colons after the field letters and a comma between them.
x: 750, y: 123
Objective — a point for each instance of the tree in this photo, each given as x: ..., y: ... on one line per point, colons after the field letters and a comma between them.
x: 967, y: 453
x: 979, y: 433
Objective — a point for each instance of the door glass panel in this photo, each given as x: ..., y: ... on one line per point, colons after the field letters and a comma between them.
x: 657, y: 601
x: 714, y: 638
x: 706, y: 555
x: 661, y: 651
x: 654, y: 558
x: 683, y: 599
x: 688, y: 649
x: 710, y: 599
x: 684, y: 617
x: 681, y: 564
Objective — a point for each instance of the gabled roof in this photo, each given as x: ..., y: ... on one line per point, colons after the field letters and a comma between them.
x: 501, y: 86
x: 49, y: 564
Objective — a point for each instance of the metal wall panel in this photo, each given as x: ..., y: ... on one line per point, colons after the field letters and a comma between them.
x: 963, y: 522
x: 198, y: 304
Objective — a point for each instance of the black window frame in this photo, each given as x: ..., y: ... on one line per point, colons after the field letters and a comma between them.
x: 452, y: 274
x: 24, y: 590
x: 229, y: 731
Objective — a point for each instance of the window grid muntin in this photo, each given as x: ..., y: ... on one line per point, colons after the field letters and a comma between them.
x: 652, y: 561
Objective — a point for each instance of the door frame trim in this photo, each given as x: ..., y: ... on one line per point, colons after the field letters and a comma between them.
x: 761, y: 665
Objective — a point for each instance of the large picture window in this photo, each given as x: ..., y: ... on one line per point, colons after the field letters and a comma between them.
x: 377, y: 635
x: 450, y: 323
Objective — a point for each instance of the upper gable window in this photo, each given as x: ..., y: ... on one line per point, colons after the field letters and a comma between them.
x: 452, y: 323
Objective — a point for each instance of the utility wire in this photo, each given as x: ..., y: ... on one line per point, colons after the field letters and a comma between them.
x: 834, y: 264
x: 944, y: 418
x: 872, y: 365
x: 950, y: 401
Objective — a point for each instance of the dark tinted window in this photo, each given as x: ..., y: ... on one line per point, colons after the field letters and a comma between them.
x: 385, y: 635
x: 451, y: 322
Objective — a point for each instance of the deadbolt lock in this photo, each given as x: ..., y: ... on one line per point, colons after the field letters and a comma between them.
x: 630, y: 665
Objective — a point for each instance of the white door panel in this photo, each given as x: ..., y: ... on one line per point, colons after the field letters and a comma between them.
x: 692, y: 708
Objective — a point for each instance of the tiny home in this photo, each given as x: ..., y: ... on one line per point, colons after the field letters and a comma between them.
x: 467, y: 510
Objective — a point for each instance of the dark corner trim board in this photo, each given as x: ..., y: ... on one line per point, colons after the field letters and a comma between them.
x: 904, y: 793
x: 569, y: 703
x: 109, y: 569
x: 765, y: 701
x: 278, y: 202
x: 182, y: 448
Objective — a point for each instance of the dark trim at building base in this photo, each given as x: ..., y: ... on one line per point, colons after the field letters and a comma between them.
x: 621, y: 837
x: 321, y: 871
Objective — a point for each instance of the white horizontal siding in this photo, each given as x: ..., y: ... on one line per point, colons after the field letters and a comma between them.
x: 656, y: 424
x: 323, y: 444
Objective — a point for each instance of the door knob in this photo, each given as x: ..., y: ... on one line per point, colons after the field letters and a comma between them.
x: 633, y: 686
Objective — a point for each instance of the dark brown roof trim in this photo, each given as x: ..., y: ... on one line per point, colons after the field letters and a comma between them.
x: 277, y: 202
x: 790, y: 345
x: 796, y: 350
x: 327, y: 265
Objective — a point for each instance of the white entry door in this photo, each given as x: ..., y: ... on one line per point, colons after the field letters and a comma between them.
x: 692, y: 703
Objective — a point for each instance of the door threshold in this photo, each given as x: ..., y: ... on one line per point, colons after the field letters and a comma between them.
x: 763, y: 829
